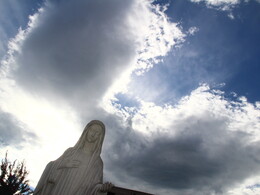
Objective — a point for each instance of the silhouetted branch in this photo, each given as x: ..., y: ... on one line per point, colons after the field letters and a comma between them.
x: 12, y: 178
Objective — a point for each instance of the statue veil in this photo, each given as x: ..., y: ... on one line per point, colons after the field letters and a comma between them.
x: 98, y: 144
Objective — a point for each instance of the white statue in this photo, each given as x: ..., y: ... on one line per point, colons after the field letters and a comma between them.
x: 79, y: 171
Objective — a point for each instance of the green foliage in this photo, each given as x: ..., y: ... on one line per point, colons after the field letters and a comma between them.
x: 13, y: 178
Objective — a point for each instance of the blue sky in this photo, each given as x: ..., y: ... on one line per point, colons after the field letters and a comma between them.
x: 175, y: 82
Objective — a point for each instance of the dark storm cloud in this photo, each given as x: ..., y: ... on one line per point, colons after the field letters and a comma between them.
x: 13, y: 132
x: 205, y: 157
x: 76, y: 49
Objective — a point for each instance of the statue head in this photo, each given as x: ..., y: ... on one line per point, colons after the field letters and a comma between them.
x: 93, y: 134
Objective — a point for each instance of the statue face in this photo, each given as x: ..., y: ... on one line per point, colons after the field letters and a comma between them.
x: 93, y: 133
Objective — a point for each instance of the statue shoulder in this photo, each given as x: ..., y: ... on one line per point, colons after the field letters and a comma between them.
x: 68, y: 152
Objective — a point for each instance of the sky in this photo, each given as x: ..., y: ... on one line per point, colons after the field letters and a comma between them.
x: 175, y: 82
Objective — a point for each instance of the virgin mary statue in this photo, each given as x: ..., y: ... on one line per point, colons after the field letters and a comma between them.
x: 79, y: 171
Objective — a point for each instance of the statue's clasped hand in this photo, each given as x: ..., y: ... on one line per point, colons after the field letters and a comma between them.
x: 106, y: 187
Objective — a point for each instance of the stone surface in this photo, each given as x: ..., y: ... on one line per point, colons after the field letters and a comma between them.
x: 79, y: 171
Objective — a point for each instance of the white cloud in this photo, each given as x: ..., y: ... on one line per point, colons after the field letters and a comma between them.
x: 203, y: 102
x: 193, y: 30
x: 218, y: 2
x: 224, y: 5
x: 154, y: 36
x: 39, y: 130
x: 249, y: 187
x: 231, y: 16
x: 158, y: 37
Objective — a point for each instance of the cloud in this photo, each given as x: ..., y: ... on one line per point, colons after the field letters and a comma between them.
x: 13, y: 15
x: 66, y: 54
x: 13, y: 132
x: 224, y: 5
x: 205, y: 144
x: 77, y: 57
x: 3, y: 41
x: 68, y: 66
x: 193, y: 30
x: 58, y: 69
x: 220, y: 4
